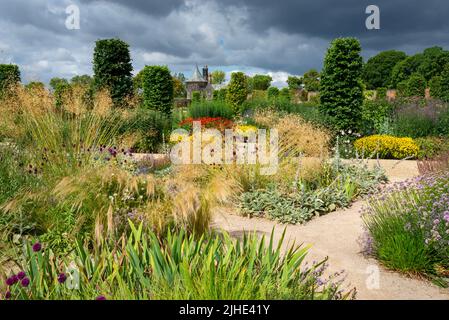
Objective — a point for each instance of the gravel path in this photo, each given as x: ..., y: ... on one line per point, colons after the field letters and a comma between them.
x: 336, y: 235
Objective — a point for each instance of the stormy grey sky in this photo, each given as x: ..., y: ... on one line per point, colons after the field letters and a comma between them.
x: 256, y: 36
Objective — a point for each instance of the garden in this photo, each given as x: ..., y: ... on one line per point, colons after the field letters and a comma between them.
x: 92, y: 208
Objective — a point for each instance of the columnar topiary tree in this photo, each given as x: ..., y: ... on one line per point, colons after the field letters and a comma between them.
x: 237, y: 90
x: 9, y: 75
x: 416, y: 86
x: 341, y: 90
x: 112, y: 68
x: 158, y: 91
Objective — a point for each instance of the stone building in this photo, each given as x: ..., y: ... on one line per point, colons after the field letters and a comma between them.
x: 200, y: 82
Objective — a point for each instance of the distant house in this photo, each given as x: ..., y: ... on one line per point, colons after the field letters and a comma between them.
x: 201, y: 82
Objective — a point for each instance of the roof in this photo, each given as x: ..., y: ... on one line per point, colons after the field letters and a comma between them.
x: 196, y: 77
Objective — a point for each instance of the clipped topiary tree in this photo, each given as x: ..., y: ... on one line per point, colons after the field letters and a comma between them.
x: 416, y: 86
x: 341, y: 91
x: 237, y: 90
x: 113, y: 68
x: 435, y: 87
x: 272, y: 93
x: 158, y: 90
x: 9, y: 76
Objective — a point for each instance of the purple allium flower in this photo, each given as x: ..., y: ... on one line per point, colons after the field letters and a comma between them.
x: 21, y: 275
x: 10, y: 281
x: 62, y: 278
x: 37, y: 247
x: 100, y: 298
x: 25, y: 282
x: 8, y: 295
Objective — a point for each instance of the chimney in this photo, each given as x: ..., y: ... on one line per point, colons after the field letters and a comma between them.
x: 206, y: 73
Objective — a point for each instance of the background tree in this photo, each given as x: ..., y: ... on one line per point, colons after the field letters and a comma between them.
x: 179, y: 88
x: 9, y: 75
x: 435, y: 87
x: 61, y: 88
x: 83, y: 80
x: 377, y: 70
x: 433, y: 62
x: 341, y: 91
x: 311, y: 80
x: 294, y: 82
x: 237, y: 90
x: 416, y: 85
x: 272, y: 93
x: 158, y: 89
x: 112, y: 68
x: 261, y: 82
x: 218, y: 77
x: 405, y: 68
x: 444, y: 95
x: 35, y: 85
x: 284, y: 93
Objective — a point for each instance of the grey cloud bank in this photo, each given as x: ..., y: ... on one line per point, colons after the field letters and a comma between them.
x: 282, y: 37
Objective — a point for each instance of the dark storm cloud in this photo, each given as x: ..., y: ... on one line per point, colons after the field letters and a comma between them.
x: 402, y: 21
x: 289, y: 36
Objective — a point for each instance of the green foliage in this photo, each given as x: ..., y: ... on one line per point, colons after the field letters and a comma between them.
x: 377, y: 70
x: 294, y: 82
x: 416, y: 86
x: 431, y: 147
x: 261, y: 82
x: 434, y: 60
x: 61, y: 87
x: 284, y: 93
x: 272, y: 92
x: 83, y: 80
x: 196, y: 96
x: 150, y: 125
x: 435, y: 87
x: 402, y: 88
x: 179, y: 88
x: 376, y: 116
x: 445, y: 84
x: 112, y: 69
x: 381, y: 93
x: 405, y: 68
x: 9, y: 75
x: 35, y: 85
x: 212, y: 109
x: 311, y: 80
x: 220, y: 94
x: 180, y: 266
x: 341, y: 92
x: 158, y: 89
x: 338, y: 186
x: 407, y: 227
x: 218, y: 77
x: 237, y: 91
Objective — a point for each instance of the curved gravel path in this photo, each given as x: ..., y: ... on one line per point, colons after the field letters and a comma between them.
x: 336, y: 235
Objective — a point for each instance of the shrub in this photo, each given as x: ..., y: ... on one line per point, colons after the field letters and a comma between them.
x: 341, y: 91
x: 407, y: 226
x: 272, y: 92
x: 196, y: 96
x: 312, y: 80
x: 9, y: 76
x: 112, y: 69
x: 284, y: 93
x: 387, y: 147
x: 261, y: 82
x: 376, y: 116
x: 445, y: 84
x: 158, y: 89
x: 435, y: 87
x: 237, y: 91
x: 381, y: 93
x: 181, y: 266
x: 211, y: 109
x: 402, y: 88
x: 416, y: 86
x: 430, y: 147
x: 220, y: 94
x: 414, y: 120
